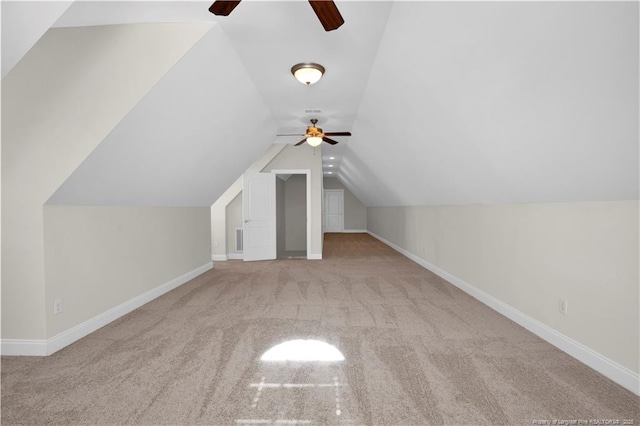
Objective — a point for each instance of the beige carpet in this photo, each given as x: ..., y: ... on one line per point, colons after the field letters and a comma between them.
x: 416, y: 350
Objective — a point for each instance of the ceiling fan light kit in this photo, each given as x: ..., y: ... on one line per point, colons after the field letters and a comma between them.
x: 314, y: 136
x: 307, y: 72
x: 314, y: 141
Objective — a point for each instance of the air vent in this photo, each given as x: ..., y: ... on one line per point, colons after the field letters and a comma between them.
x: 312, y: 111
x: 239, y: 240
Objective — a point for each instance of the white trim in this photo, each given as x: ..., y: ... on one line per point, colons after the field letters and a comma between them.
x: 218, y: 257
x: 235, y: 256
x: 308, y: 173
x: 67, y: 337
x: 354, y: 231
x: 23, y: 347
x: 314, y: 256
x: 605, y: 366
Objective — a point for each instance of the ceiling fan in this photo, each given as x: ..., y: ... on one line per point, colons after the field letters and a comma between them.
x: 314, y: 136
x: 326, y: 10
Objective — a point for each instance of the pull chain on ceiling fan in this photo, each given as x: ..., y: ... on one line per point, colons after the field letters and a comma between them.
x: 314, y: 136
x: 326, y: 11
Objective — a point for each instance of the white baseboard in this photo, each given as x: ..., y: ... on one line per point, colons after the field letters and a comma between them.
x: 219, y: 257
x: 354, y: 231
x: 235, y: 256
x: 23, y: 347
x: 609, y: 368
x: 314, y: 256
x: 67, y: 337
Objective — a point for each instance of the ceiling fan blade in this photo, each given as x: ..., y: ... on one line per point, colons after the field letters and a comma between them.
x: 328, y: 13
x: 301, y: 142
x: 330, y: 141
x: 292, y: 134
x: 223, y: 7
x: 338, y: 133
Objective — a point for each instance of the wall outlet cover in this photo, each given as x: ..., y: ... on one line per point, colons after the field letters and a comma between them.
x: 562, y: 306
x: 57, y: 306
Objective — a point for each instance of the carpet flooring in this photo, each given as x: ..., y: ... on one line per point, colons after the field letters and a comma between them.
x: 416, y: 350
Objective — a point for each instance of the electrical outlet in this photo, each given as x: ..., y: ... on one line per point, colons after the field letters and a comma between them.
x: 562, y: 306
x: 57, y: 306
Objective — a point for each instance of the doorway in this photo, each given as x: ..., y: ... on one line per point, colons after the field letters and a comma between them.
x: 292, y: 212
x: 260, y: 215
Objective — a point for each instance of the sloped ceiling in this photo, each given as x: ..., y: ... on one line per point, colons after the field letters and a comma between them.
x: 65, y: 96
x: 222, y: 106
x: 23, y: 23
x: 184, y: 143
x: 449, y: 103
x: 499, y: 102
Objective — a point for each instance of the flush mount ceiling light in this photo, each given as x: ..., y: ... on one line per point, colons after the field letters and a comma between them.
x: 307, y: 72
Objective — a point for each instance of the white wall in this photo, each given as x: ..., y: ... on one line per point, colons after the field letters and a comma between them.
x: 530, y: 255
x: 97, y: 258
x: 54, y: 113
x: 355, y: 213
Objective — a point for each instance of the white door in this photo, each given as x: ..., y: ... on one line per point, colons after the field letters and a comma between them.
x: 259, y: 215
x: 333, y: 210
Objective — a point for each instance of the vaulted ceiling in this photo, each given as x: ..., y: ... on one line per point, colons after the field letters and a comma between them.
x: 448, y: 102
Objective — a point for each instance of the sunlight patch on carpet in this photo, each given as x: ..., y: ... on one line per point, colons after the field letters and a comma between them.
x: 303, y: 350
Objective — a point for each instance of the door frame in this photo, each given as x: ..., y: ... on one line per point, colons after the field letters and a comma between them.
x: 306, y: 172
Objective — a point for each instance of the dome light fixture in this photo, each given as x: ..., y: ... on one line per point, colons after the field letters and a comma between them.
x: 307, y: 72
x: 314, y: 141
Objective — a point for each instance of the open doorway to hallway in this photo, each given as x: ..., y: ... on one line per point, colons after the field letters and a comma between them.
x: 291, y: 215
